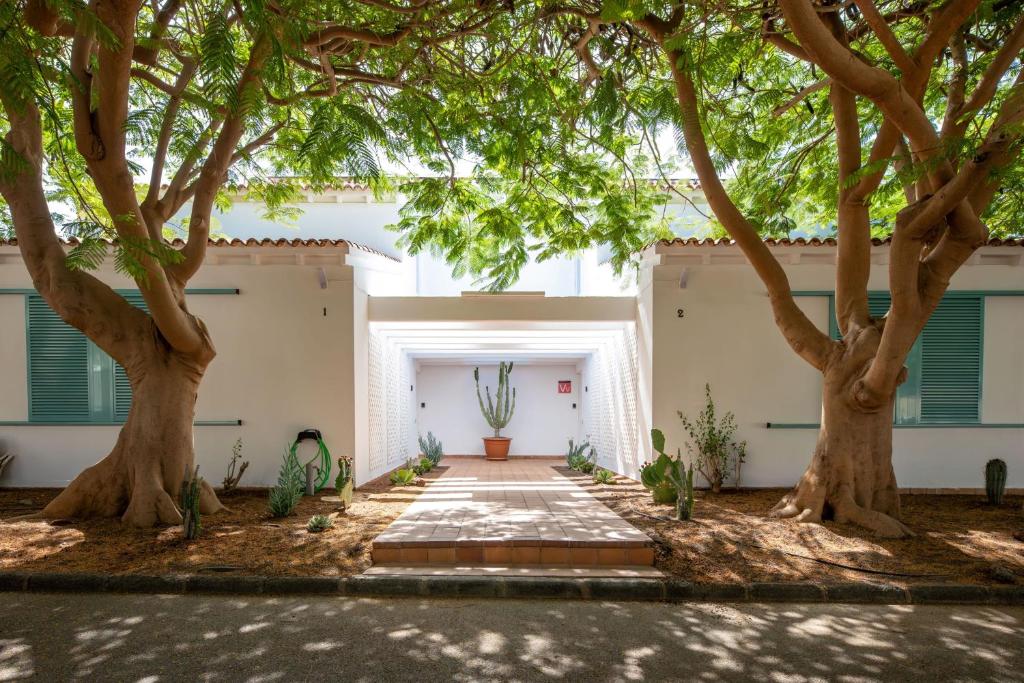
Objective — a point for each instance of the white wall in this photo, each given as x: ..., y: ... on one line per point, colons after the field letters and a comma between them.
x: 281, y: 366
x: 542, y: 424
x: 728, y: 337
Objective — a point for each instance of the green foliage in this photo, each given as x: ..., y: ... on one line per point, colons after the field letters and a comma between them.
x: 236, y: 467
x: 603, y: 476
x: 575, y: 454
x: 290, y: 484
x: 995, y: 481
x: 579, y: 460
x: 319, y: 523
x: 190, y: 518
x: 403, y: 477
x: 431, y: 448
x: 497, y: 413
x: 421, y: 467
x: 344, y: 472
x: 716, y: 452
x: 670, y: 480
x: 343, y: 483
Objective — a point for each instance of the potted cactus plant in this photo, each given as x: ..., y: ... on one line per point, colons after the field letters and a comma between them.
x: 497, y: 412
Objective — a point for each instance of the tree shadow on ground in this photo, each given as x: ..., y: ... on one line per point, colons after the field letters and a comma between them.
x: 958, y: 538
x: 109, y: 637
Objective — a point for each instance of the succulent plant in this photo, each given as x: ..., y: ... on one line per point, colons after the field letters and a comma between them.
x: 498, y: 412
x: 431, y: 448
x: 603, y: 476
x: 319, y: 523
x: 190, y: 489
x: 673, y: 472
x: 995, y: 480
x: 403, y: 477
x: 575, y: 452
x: 343, y: 482
x: 290, y: 483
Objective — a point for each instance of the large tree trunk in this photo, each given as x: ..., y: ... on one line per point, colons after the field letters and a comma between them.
x: 850, y: 478
x: 141, y: 478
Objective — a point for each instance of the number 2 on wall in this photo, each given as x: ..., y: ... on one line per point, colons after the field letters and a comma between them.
x: 680, y: 313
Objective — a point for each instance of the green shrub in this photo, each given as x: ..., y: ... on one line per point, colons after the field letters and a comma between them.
x: 675, y: 474
x: 286, y: 495
x: 403, y: 477
x: 575, y: 454
x: 423, y: 466
x: 717, y: 455
x: 432, y: 449
x: 603, y: 476
x: 319, y: 523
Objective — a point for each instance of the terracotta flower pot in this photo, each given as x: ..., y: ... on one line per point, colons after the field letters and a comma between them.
x: 496, y: 447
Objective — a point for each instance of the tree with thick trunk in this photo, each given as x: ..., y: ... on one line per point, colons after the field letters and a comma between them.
x: 206, y: 93
x: 881, y: 95
x: 898, y: 120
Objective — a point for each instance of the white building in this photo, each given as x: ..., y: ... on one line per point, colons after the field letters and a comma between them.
x: 329, y: 325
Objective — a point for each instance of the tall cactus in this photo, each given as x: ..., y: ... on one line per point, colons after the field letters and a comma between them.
x: 190, y: 488
x: 497, y: 414
x: 995, y: 481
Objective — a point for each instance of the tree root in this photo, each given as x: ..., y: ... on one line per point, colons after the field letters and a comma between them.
x: 795, y: 506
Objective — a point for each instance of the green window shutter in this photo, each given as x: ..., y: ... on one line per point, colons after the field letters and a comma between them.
x: 944, y: 366
x: 907, y: 409
x: 122, y: 387
x: 951, y: 357
x: 58, y: 366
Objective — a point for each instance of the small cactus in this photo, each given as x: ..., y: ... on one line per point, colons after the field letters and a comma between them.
x: 995, y: 481
x: 343, y: 482
x: 190, y: 488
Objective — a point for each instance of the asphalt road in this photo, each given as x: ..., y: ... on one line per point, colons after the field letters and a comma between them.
x: 101, y: 637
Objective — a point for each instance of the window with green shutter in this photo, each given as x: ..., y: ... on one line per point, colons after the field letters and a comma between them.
x: 70, y: 379
x: 944, y: 367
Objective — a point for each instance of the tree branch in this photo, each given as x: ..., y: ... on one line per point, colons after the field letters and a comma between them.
x: 885, y: 35
x: 216, y: 166
x: 803, y: 336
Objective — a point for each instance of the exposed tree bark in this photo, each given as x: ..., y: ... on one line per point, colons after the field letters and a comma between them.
x: 140, y: 480
x: 850, y: 478
x: 166, y: 351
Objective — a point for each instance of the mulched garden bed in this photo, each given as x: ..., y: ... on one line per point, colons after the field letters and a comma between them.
x: 242, y: 540
x: 960, y: 539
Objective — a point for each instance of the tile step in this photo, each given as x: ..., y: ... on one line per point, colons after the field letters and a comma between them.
x: 564, y: 556
x: 609, y: 571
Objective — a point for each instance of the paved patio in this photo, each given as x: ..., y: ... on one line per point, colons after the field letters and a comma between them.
x: 520, y: 512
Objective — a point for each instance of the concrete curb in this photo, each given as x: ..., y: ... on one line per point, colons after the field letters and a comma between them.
x: 521, y: 587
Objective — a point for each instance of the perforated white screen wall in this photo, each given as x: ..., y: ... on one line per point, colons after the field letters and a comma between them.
x: 610, y: 410
x: 389, y: 383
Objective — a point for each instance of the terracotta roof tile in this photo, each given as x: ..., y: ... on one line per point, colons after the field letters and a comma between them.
x: 806, y: 241
x: 254, y: 242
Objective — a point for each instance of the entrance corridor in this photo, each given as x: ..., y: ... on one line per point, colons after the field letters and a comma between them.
x: 519, y: 512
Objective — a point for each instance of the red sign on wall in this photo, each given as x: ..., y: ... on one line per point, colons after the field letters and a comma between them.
x: 564, y: 386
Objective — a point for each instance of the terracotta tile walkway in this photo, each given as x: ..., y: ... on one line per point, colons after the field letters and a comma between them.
x: 517, y: 512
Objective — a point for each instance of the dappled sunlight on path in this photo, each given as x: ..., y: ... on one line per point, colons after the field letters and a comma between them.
x: 159, y: 638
